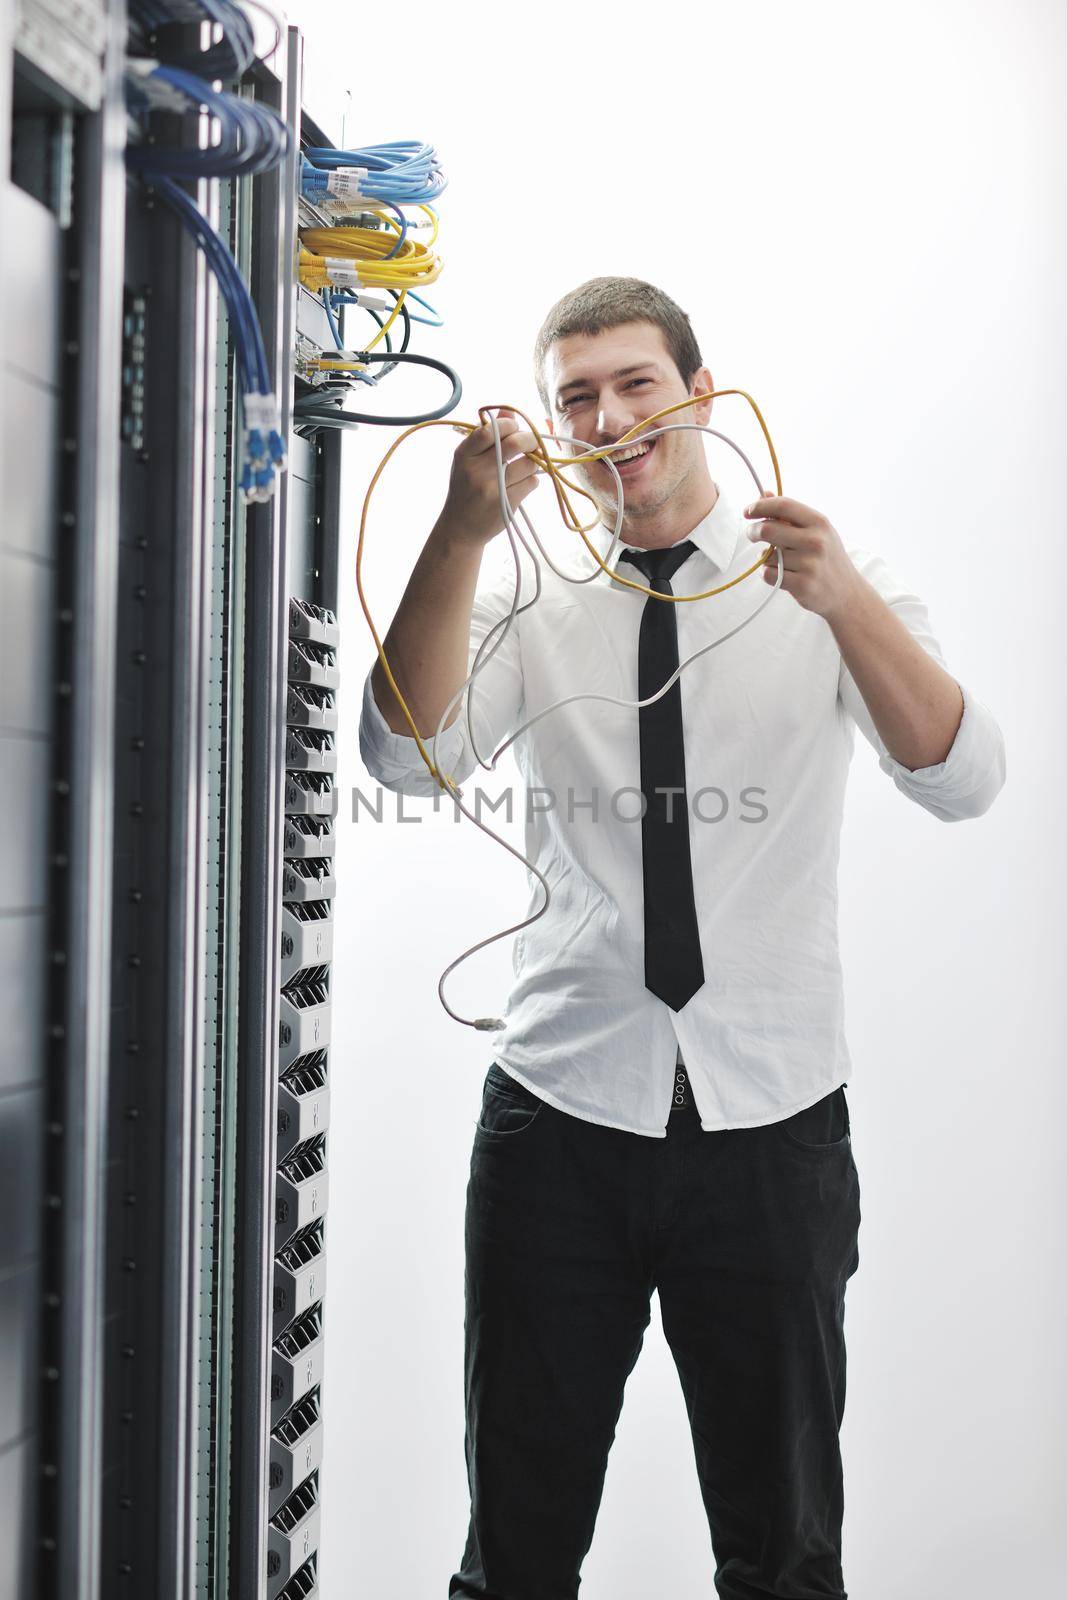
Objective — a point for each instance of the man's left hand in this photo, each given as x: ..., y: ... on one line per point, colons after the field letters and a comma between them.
x: 817, y: 570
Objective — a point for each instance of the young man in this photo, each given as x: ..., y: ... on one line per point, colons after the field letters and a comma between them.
x: 666, y: 1108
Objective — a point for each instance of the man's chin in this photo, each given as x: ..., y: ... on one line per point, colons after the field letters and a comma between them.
x: 637, y: 504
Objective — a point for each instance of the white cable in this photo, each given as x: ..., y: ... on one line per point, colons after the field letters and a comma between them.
x: 514, y: 532
x: 505, y: 622
x: 515, y: 538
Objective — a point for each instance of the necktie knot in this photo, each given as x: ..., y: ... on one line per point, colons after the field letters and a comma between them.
x: 659, y: 566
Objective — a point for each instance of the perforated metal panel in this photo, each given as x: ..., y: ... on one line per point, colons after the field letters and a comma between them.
x: 301, y: 1185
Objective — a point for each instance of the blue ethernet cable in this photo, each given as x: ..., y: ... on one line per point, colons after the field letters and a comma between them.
x: 404, y: 171
x: 329, y: 300
x: 331, y: 319
x: 230, y: 57
x: 253, y: 138
x: 263, y: 451
x: 436, y: 321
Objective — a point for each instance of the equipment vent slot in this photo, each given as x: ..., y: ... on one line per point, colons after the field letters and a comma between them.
x: 316, y: 869
x: 318, y: 654
x: 297, y: 1506
x: 307, y: 994
x: 303, y: 1583
x: 310, y: 910
x: 311, y: 706
x: 312, y: 624
x: 307, y: 836
x: 303, y: 1332
x: 312, y: 663
x: 306, y: 1075
x: 310, y: 794
x: 310, y: 1161
x: 303, y: 1249
x: 310, y: 750
x: 311, y: 738
x: 312, y: 868
x: 304, y: 1071
x: 299, y: 1420
x: 313, y: 782
x: 304, y: 609
x: 310, y: 991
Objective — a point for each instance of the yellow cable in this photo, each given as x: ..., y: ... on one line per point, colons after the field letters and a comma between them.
x: 366, y: 249
x: 549, y: 464
x: 416, y: 264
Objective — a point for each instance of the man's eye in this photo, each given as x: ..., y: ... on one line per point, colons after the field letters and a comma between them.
x: 576, y: 399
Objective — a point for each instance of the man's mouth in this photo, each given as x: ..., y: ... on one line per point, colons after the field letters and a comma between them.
x: 630, y: 459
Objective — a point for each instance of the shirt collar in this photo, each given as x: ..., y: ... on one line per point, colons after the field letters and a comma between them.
x: 717, y: 535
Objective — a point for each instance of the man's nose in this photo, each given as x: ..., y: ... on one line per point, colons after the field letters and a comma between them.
x: 613, y: 419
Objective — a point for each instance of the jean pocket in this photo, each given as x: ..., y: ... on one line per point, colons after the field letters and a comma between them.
x: 822, y: 1127
x: 508, y: 1107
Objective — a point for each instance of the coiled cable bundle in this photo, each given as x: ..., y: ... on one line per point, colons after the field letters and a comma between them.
x: 403, y: 172
x: 366, y: 251
x: 366, y: 258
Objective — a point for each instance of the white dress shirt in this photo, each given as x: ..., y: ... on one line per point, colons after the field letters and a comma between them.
x: 768, y: 720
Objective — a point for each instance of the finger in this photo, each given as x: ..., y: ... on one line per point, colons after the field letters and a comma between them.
x: 482, y: 438
x: 790, y: 567
x: 782, y: 508
x: 518, y: 471
x: 771, y: 564
x: 787, y: 534
x: 770, y: 574
x: 517, y: 444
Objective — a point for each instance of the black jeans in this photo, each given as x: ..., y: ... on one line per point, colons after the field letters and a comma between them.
x: 749, y: 1235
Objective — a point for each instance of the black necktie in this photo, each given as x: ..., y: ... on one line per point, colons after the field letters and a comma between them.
x: 674, y: 969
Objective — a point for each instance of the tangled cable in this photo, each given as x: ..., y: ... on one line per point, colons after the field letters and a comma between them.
x: 487, y: 649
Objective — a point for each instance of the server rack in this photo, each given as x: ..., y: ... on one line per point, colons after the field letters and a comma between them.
x: 168, y: 726
x: 62, y: 205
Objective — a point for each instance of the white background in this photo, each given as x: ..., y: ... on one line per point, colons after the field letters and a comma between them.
x: 861, y: 208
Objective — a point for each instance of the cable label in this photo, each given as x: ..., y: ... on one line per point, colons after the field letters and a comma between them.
x: 346, y: 182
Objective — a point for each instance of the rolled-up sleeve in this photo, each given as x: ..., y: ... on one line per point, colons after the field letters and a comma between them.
x: 971, y: 776
x: 496, y: 701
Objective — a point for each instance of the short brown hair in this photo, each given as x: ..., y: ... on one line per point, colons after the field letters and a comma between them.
x: 602, y: 303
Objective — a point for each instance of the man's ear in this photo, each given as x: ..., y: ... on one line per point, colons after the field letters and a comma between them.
x: 702, y: 382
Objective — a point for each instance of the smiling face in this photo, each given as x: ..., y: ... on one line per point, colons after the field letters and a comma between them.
x: 602, y: 385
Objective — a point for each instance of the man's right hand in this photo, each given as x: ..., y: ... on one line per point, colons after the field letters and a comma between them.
x: 472, y: 507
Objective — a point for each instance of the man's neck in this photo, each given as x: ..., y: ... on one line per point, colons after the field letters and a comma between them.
x: 661, y: 532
